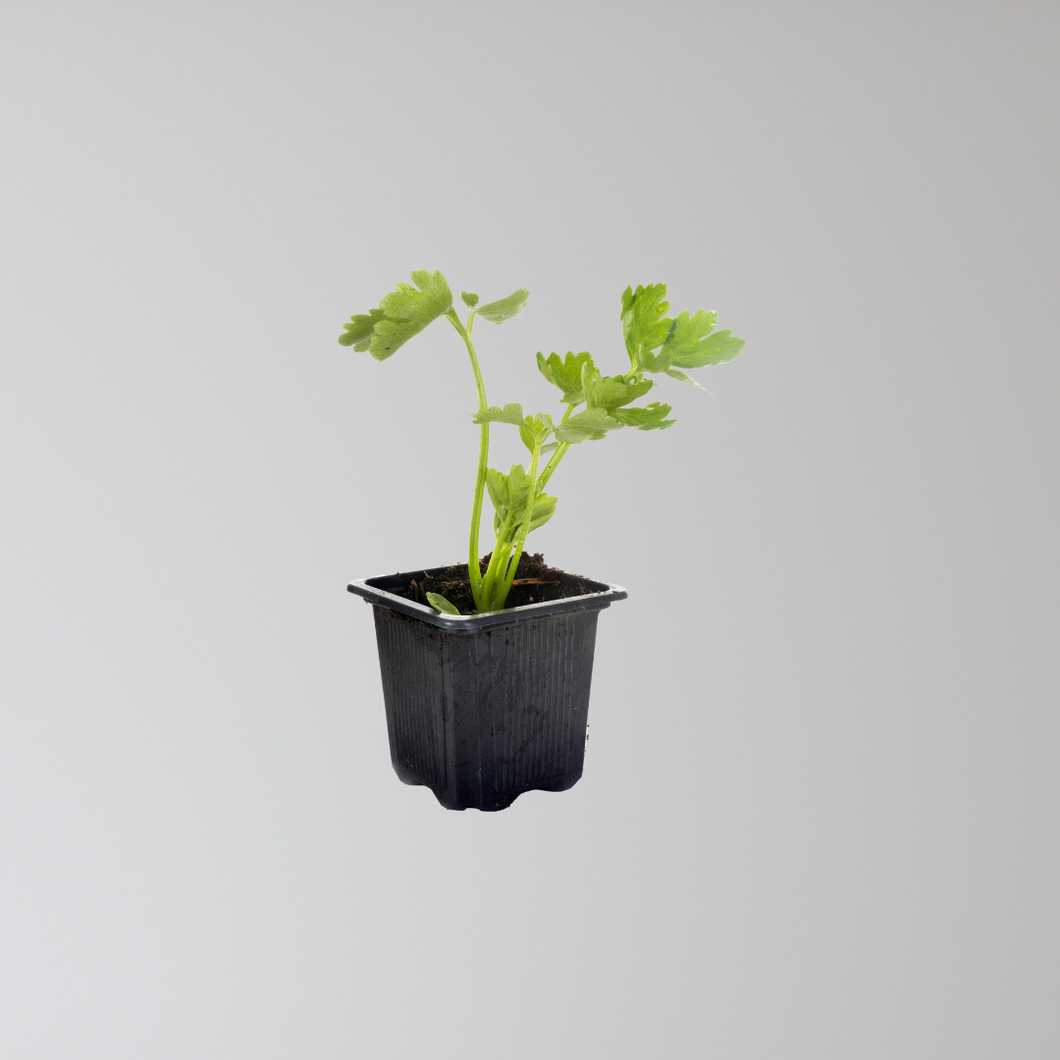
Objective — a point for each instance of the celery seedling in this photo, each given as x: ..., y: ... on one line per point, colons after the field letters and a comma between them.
x: 655, y: 344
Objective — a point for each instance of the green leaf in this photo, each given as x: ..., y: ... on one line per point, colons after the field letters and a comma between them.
x: 589, y: 424
x: 536, y: 429
x: 508, y: 494
x: 686, y: 334
x: 439, y: 603
x: 505, y: 308
x: 470, y: 300
x: 566, y: 373
x: 512, y: 413
x: 652, y: 418
x: 403, y: 313
x: 686, y: 342
x: 717, y: 349
x: 544, y: 509
x: 612, y: 391
x: 673, y: 373
x: 360, y: 330
x: 497, y: 488
x: 531, y: 428
x: 644, y: 328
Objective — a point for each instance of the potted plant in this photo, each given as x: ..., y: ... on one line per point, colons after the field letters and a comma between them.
x: 486, y: 666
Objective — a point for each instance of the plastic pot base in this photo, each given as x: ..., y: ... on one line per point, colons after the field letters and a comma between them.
x: 481, y: 708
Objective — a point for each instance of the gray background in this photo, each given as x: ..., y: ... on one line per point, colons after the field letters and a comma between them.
x: 819, y: 811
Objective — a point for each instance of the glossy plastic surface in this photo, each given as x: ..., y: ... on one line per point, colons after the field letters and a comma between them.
x: 481, y: 708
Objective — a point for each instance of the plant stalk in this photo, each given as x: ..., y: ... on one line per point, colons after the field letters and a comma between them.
x: 557, y: 456
x: 473, y: 572
x: 498, y: 561
x: 524, y: 529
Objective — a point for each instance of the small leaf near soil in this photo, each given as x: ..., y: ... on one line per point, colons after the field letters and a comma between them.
x: 439, y: 603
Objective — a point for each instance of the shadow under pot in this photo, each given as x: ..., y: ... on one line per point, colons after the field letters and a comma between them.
x: 483, y: 707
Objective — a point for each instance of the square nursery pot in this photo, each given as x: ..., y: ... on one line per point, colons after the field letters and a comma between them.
x: 481, y: 708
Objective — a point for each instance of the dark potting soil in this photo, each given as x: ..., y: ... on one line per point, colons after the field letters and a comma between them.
x: 535, y: 581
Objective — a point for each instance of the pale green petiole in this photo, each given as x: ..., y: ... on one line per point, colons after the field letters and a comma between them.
x: 473, y: 572
x: 524, y: 529
x: 557, y: 456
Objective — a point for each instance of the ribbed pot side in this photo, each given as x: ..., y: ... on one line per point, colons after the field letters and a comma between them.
x: 480, y: 715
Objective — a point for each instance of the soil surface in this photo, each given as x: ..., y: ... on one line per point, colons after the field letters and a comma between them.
x: 534, y: 582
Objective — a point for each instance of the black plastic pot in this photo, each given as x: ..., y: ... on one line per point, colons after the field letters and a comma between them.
x: 481, y: 708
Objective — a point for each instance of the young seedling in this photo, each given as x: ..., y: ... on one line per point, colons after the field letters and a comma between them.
x: 655, y: 344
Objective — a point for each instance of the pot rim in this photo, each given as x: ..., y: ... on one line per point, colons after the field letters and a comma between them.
x: 373, y: 593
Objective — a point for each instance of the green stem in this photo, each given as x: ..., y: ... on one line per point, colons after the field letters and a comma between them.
x: 473, y: 572
x: 557, y: 456
x: 524, y: 529
x: 498, y: 561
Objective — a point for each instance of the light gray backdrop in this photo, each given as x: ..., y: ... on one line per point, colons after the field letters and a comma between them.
x: 819, y: 812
